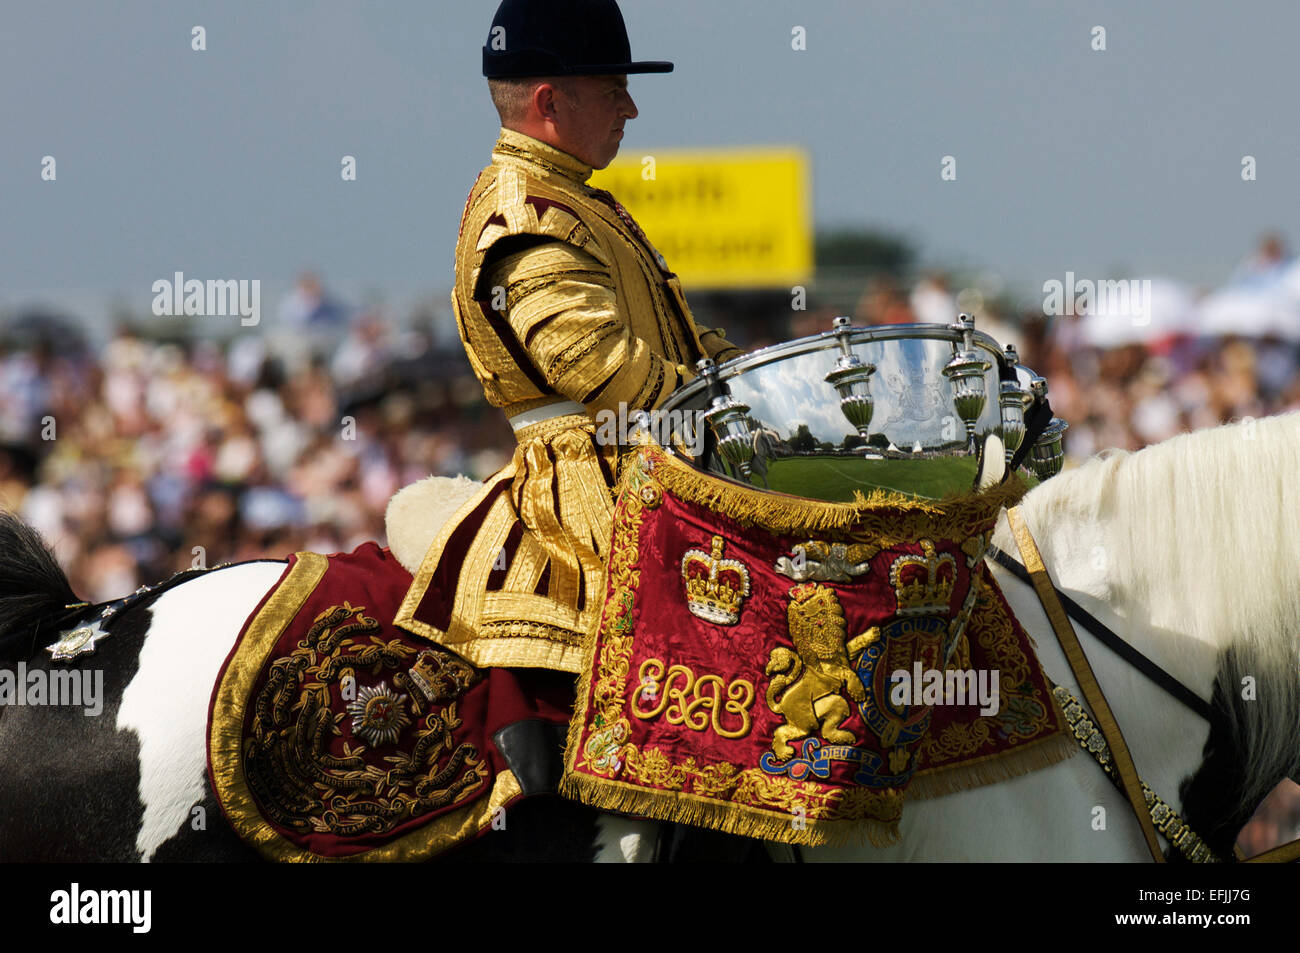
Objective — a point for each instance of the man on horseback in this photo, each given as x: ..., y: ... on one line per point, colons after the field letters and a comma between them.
x: 565, y: 310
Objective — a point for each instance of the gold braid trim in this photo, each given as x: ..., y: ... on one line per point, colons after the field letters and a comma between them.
x: 529, y: 630
x: 877, y: 514
x: 524, y: 287
x: 518, y: 290
x: 519, y: 406
x: 1164, y: 818
x: 650, y: 389
x: 546, y: 429
x: 567, y: 359
x: 580, y: 237
x: 989, y: 769
x: 538, y: 647
x: 532, y: 158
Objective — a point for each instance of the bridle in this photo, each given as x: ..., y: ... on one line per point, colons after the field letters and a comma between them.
x: 1100, y: 735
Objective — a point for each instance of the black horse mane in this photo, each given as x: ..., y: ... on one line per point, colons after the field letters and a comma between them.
x: 34, y: 591
x: 1220, y: 798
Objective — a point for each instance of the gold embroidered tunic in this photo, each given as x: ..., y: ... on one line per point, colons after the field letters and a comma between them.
x: 559, y: 297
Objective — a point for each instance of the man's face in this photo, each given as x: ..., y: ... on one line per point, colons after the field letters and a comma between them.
x: 590, y: 114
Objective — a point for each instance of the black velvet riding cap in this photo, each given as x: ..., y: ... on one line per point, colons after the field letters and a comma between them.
x: 561, y: 38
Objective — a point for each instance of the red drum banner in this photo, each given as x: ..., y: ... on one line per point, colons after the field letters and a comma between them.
x: 792, y: 670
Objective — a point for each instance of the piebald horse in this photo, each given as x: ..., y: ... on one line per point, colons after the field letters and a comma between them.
x: 1190, y: 550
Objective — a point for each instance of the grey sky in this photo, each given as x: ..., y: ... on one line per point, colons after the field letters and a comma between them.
x: 225, y: 163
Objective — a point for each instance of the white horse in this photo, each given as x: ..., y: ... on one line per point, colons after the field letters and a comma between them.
x: 1190, y: 550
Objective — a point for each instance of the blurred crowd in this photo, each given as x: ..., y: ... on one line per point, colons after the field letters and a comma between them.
x: 129, y: 458
x: 154, y: 456
x: 1127, y: 396
x: 151, y: 455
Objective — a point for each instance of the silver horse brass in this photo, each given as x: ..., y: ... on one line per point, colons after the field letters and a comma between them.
x: 897, y: 407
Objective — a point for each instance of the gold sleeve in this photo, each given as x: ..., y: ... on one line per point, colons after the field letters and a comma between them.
x: 561, y: 305
x: 717, y: 346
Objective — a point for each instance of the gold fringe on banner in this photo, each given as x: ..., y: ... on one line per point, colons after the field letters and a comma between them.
x: 991, y: 769
x: 728, y: 816
x: 888, y: 517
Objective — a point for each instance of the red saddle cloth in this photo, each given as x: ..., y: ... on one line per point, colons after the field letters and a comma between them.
x: 794, y: 670
x: 334, y: 735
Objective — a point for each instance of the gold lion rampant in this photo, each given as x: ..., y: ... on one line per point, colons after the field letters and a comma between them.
x: 807, y: 684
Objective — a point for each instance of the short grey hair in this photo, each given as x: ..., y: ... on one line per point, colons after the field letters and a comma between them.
x: 512, y: 96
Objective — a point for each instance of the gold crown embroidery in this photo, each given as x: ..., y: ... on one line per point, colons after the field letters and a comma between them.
x: 715, y: 587
x: 921, y: 583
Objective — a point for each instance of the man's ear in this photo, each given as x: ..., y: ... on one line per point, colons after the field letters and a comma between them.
x: 545, y: 101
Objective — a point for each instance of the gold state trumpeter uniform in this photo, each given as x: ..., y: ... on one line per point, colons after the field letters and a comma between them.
x: 565, y: 309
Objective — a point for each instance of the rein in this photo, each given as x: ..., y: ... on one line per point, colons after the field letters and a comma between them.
x: 1112, y: 641
x: 1103, y: 739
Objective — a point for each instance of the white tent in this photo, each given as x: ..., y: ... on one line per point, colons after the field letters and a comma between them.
x: 1150, y: 309
x: 1256, y: 306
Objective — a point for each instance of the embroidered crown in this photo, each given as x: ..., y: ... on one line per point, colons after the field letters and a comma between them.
x: 924, y: 583
x: 715, y: 587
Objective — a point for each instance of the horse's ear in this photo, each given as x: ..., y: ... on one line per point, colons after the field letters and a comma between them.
x: 993, y: 463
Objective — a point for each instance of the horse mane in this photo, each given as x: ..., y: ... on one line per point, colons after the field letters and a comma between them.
x: 1203, y: 540
x: 33, y: 588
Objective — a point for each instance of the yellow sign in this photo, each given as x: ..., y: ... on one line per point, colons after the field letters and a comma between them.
x: 724, y: 218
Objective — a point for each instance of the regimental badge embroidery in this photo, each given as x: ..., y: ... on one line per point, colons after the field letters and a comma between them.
x: 378, y: 714
x: 79, y: 641
x: 827, y: 667
x: 306, y: 783
x: 715, y: 587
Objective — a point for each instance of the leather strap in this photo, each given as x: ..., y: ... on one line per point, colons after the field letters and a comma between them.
x: 1087, y: 681
x: 1036, y: 421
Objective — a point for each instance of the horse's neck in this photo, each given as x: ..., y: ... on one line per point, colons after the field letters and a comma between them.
x: 1165, y: 738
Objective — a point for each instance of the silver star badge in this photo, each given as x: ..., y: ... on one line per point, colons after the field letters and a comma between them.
x: 378, y: 714
x: 78, y: 641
